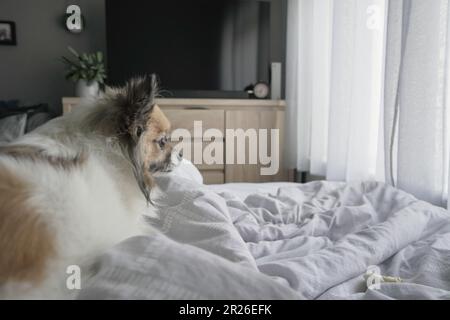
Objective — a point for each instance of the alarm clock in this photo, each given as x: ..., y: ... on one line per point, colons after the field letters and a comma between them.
x: 261, y: 90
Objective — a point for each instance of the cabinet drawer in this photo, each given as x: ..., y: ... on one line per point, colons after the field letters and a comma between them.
x: 184, y: 119
x: 213, y: 176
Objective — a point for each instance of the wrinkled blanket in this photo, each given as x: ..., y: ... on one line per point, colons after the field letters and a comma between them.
x: 299, y: 241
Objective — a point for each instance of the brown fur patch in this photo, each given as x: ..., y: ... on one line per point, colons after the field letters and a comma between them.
x: 33, y: 153
x: 158, y: 122
x: 157, y: 126
x: 26, y: 243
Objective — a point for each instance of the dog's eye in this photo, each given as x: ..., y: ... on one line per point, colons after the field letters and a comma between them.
x: 139, y: 131
x: 162, y: 142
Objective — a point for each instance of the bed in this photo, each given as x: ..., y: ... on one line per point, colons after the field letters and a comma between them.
x: 320, y: 240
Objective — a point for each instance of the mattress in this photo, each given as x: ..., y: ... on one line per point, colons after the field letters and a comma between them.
x: 321, y: 240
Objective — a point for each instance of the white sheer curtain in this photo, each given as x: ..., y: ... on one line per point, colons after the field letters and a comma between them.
x: 368, y: 92
x: 334, y: 87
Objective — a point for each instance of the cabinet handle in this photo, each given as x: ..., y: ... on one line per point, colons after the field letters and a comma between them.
x: 196, y: 108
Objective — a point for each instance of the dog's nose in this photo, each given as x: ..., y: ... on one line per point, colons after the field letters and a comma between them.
x: 180, y: 154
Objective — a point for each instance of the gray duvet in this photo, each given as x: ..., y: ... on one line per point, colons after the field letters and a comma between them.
x: 320, y: 240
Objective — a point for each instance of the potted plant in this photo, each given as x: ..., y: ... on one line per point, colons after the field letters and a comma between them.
x: 87, y: 71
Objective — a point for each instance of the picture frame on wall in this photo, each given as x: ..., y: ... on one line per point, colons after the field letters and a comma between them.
x: 8, y: 33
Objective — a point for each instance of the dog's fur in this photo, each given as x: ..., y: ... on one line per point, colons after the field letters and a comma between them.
x: 78, y: 185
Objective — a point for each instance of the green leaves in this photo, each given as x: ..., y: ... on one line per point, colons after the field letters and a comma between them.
x: 86, y: 66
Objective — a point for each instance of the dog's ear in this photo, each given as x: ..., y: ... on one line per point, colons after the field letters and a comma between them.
x: 136, y: 102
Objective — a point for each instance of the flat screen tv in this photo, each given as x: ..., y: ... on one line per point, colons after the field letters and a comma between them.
x: 194, y: 46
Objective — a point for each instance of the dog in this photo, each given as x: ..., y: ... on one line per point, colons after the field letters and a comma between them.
x: 77, y: 186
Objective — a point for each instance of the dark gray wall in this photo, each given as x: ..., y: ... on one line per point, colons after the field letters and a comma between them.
x: 32, y: 71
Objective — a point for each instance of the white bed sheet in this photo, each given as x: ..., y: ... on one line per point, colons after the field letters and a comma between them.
x: 281, y: 241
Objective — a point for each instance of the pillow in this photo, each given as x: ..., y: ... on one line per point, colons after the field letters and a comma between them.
x: 36, y: 120
x: 186, y: 169
x: 12, y: 127
x: 36, y: 114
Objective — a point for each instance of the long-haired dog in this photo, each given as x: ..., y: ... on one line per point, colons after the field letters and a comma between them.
x: 78, y: 185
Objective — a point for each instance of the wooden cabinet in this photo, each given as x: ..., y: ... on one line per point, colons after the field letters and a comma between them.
x: 181, y: 118
x: 262, y: 120
x: 239, y: 121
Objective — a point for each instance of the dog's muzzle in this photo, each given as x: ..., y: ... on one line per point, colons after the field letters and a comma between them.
x: 170, y: 163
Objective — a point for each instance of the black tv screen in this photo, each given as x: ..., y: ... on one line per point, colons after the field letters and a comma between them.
x: 192, y: 45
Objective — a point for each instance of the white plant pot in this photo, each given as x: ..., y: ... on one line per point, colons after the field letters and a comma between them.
x: 87, y: 90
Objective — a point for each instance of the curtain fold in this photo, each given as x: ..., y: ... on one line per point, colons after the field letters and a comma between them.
x: 416, y: 98
x: 298, y: 84
x: 322, y: 16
